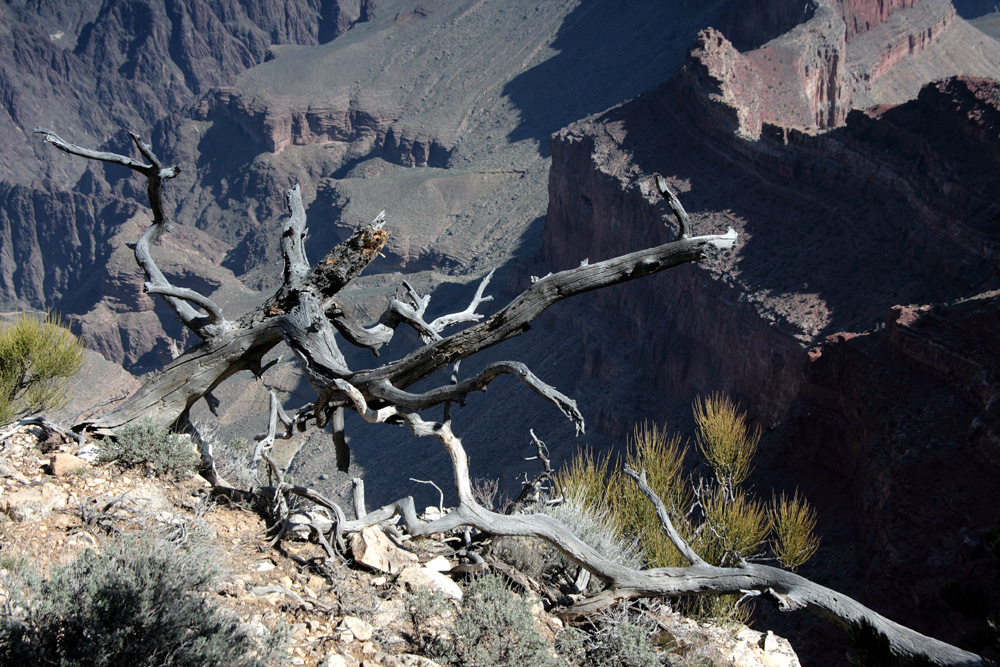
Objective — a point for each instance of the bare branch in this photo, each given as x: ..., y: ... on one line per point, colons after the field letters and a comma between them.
x: 358, y: 494
x: 683, y: 220
x: 293, y: 238
x: 457, y: 392
x: 440, y: 492
x: 214, y: 312
x: 340, y: 449
x: 57, y: 141
x: 467, y: 315
x: 790, y: 591
x: 266, y: 443
x: 516, y: 317
x: 665, y: 523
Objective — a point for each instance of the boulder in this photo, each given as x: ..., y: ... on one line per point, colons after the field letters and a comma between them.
x: 421, y: 577
x: 33, y: 503
x: 373, y: 548
x: 63, y: 464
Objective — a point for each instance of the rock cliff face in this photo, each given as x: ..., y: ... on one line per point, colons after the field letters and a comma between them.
x: 811, y: 68
x: 89, y: 69
x: 908, y: 418
x: 276, y: 128
x: 880, y: 211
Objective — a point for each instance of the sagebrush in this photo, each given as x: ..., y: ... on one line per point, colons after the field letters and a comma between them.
x: 139, y: 601
x: 146, y: 445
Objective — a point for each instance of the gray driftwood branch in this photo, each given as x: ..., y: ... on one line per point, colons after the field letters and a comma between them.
x: 157, y: 283
x: 306, y: 313
x: 787, y: 590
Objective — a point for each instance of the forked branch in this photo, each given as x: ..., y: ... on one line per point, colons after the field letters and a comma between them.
x: 178, y: 299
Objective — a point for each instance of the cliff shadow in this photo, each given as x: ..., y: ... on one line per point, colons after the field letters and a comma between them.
x: 825, y: 245
x: 606, y: 52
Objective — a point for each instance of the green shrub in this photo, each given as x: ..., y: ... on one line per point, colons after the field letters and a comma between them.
x: 795, y: 539
x: 426, y: 608
x: 146, y: 445
x: 37, y: 358
x: 714, y: 515
x: 495, y: 628
x: 137, y: 602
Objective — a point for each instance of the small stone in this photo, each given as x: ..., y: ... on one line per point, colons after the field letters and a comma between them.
x: 378, y: 581
x: 263, y: 566
x: 285, y: 581
x: 65, y: 464
x: 420, y: 577
x: 362, y: 630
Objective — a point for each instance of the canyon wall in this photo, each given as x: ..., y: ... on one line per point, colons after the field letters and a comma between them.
x: 895, y: 206
x: 816, y: 60
x: 349, y: 121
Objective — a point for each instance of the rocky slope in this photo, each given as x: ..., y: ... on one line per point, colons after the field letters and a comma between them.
x: 54, y: 505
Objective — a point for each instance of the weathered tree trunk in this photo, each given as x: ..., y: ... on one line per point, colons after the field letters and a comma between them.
x: 305, y: 314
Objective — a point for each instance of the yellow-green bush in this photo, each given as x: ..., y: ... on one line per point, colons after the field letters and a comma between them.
x: 795, y: 539
x: 723, y: 523
x: 37, y: 358
x: 724, y: 439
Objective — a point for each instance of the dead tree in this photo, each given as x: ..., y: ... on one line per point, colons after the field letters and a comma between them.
x: 306, y: 314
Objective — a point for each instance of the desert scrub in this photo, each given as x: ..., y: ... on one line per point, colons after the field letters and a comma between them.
x: 722, y: 522
x: 37, y: 358
x: 620, y: 637
x: 146, y: 445
x: 140, y: 601
x: 495, y: 628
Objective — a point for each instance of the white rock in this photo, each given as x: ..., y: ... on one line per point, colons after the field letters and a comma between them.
x: 337, y: 660
x: 410, y: 660
x: 439, y: 564
x: 362, y: 630
x: 89, y: 453
x: 420, y: 577
x: 373, y: 548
